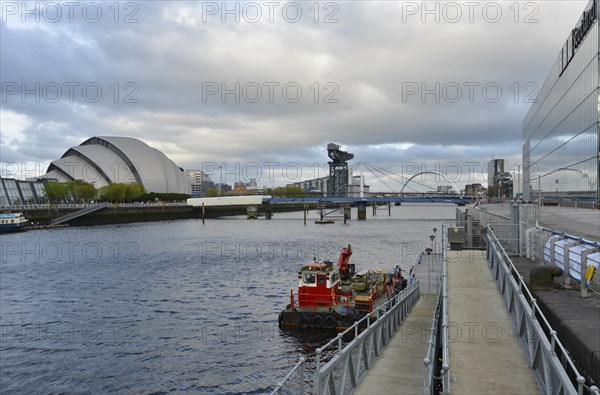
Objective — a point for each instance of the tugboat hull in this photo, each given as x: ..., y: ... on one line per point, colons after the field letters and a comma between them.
x: 330, y: 320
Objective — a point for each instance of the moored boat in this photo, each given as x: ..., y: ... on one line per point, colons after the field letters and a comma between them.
x: 12, y: 222
x: 333, y: 297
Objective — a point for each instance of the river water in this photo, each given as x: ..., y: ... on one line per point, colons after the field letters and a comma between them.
x: 176, y: 306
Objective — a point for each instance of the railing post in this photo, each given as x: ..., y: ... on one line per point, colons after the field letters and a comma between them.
x: 583, y: 289
x: 552, y: 252
x: 301, y: 374
x: 317, y: 379
x: 580, y: 383
x: 567, y: 257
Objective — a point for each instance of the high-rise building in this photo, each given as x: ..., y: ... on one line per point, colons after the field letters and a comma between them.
x: 315, y: 185
x: 495, y: 170
x: 561, y: 141
x: 199, y: 182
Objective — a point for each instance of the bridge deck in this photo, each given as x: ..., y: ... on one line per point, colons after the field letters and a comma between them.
x: 370, y: 199
x: 484, y: 356
x: 400, y: 368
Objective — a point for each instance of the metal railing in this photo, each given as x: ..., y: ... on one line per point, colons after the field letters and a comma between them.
x: 349, y: 365
x: 432, y: 354
x: 508, y: 229
x: 17, y: 207
x: 79, y: 213
x: 543, y: 353
x: 574, y: 264
x: 509, y: 236
x: 445, y: 338
x: 486, y: 217
x: 293, y: 382
x: 441, y: 312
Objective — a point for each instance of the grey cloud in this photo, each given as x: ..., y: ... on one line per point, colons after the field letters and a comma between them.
x: 370, y: 54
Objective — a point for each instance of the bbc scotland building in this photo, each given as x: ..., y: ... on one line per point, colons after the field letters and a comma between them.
x: 561, y: 141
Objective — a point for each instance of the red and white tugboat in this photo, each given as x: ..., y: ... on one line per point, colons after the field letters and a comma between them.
x: 334, y: 297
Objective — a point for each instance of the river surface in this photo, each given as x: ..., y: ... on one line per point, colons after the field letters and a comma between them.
x: 177, y: 306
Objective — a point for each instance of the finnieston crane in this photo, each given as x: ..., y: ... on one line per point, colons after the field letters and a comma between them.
x: 338, y: 171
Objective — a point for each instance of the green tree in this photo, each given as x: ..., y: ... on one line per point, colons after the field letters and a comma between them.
x: 56, y: 191
x: 289, y: 191
x: 134, y: 191
x: 119, y: 192
x: 114, y: 192
x: 212, y: 192
x: 83, y: 191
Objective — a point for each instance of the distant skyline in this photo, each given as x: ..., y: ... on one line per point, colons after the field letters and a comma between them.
x: 444, y: 86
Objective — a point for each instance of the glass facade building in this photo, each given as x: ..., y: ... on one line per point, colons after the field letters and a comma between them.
x: 17, y: 192
x: 561, y: 132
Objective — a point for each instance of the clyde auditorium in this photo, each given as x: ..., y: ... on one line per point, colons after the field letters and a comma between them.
x: 103, y: 160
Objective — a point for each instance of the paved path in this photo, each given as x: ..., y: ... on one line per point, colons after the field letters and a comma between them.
x: 578, y: 222
x: 484, y: 356
x: 583, y: 222
x: 400, y: 369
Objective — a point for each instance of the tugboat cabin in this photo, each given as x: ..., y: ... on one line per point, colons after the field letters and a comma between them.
x: 317, y: 284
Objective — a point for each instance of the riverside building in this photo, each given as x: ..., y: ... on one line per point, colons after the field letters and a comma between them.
x: 561, y: 141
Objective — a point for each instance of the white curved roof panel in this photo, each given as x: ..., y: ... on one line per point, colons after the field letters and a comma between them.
x: 106, y: 159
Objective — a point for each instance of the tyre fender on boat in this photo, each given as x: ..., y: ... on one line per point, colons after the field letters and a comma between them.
x: 330, y: 321
x: 317, y: 321
x: 304, y: 321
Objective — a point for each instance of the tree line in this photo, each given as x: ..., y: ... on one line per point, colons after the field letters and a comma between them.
x: 79, y: 191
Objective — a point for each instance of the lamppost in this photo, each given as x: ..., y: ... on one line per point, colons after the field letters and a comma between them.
x: 434, y: 230
x: 432, y: 238
x: 428, y: 251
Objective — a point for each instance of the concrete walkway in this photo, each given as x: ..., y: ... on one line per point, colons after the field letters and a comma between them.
x: 578, y: 222
x: 584, y: 222
x: 400, y: 369
x: 485, y: 358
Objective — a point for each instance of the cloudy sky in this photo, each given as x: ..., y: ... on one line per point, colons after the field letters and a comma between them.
x: 407, y: 86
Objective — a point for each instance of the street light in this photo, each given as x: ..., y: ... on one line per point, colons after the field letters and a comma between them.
x: 434, y: 230
x: 432, y: 238
x: 428, y: 251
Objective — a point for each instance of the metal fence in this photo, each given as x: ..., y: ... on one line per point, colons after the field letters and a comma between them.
x: 294, y: 382
x: 547, y: 246
x: 348, y: 367
x: 344, y: 372
x: 509, y: 229
x: 85, y: 205
x: 441, y: 312
x: 509, y: 236
x: 432, y: 350
x: 544, y: 353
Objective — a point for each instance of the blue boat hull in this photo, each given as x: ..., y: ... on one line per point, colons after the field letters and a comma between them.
x: 6, y: 228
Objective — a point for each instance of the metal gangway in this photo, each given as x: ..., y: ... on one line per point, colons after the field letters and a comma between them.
x: 79, y: 213
x: 548, y: 359
x: 350, y: 363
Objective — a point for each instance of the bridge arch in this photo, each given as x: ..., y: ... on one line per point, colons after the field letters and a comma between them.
x: 430, y: 172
